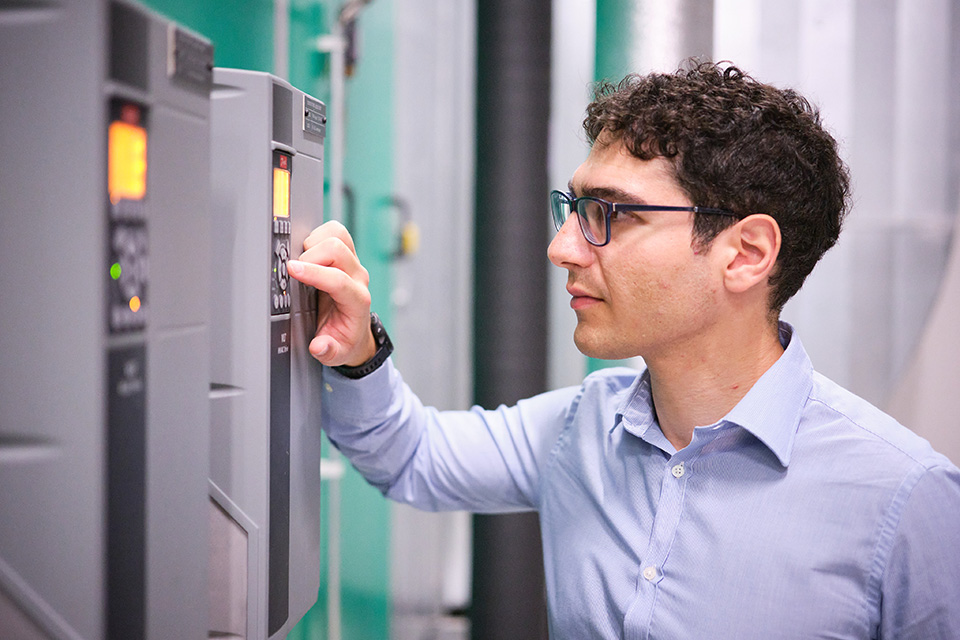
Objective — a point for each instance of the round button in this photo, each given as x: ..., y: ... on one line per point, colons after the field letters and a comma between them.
x: 283, y: 255
x: 650, y: 573
x: 677, y: 470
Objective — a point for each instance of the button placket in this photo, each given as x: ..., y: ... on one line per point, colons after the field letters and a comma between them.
x: 651, y: 577
x: 667, y: 519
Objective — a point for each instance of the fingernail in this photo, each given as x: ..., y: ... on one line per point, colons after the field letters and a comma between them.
x: 295, y: 267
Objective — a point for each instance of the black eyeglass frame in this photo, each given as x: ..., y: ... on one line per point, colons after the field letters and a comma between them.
x: 610, y: 208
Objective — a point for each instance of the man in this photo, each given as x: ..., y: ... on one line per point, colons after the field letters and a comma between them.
x: 728, y: 490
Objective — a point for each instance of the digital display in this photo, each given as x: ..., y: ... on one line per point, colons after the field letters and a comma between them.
x: 127, y: 161
x: 281, y: 193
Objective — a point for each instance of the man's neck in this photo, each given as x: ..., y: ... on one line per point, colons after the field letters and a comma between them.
x: 699, y: 383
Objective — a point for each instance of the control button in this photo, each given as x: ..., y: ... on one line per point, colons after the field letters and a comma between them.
x: 276, y: 301
x: 276, y: 226
x: 650, y: 574
x: 677, y: 470
x: 283, y: 254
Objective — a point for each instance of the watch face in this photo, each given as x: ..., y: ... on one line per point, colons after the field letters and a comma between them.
x: 379, y: 333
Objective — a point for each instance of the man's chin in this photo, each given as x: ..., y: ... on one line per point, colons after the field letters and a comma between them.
x: 594, y: 347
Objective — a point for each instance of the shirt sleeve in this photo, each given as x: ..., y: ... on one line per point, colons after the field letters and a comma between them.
x: 920, y: 588
x: 476, y: 460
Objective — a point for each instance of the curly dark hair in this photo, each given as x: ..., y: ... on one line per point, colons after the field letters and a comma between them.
x: 737, y: 144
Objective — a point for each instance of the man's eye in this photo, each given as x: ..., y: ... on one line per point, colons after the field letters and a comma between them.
x: 620, y: 216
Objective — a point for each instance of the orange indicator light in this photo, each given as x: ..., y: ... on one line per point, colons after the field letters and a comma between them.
x: 135, y: 304
x: 281, y: 193
x: 127, y: 178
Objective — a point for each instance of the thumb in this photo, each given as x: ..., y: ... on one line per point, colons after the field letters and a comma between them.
x: 324, y: 349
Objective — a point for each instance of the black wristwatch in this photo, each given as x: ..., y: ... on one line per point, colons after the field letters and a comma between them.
x: 384, y: 349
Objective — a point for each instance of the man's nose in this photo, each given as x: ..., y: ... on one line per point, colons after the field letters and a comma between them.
x: 569, y: 247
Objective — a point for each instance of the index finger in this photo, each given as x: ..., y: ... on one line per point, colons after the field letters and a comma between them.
x: 331, y: 251
x: 329, y: 229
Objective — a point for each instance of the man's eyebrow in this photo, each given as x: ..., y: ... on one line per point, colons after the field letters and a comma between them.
x: 612, y: 194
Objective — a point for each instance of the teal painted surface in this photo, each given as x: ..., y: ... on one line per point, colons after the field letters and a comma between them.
x: 368, y: 170
x: 369, y: 160
x: 615, y: 38
x: 309, y: 68
x: 241, y: 30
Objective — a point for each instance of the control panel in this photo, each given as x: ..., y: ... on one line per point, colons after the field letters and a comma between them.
x: 127, y: 246
x: 280, y: 240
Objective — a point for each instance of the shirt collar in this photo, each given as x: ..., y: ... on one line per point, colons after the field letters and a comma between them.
x: 770, y: 411
x: 772, y: 408
x: 636, y: 408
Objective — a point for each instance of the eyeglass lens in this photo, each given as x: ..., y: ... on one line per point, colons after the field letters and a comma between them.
x: 593, y: 219
x: 591, y: 215
x: 560, y: 207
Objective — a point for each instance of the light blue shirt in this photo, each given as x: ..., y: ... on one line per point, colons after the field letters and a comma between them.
x: 804, y: 513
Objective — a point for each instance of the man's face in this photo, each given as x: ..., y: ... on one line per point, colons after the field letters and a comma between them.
x: 649, y: 290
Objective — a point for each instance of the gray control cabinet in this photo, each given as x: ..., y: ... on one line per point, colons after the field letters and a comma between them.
x: 104, y: 410
x: 267, y: 190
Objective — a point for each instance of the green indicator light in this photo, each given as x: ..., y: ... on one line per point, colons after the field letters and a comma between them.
x: 115, y: 271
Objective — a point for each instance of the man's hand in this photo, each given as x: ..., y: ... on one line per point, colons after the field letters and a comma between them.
x: 329, y: 262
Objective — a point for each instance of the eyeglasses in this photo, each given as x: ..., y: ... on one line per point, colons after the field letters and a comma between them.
x: 594, y: 214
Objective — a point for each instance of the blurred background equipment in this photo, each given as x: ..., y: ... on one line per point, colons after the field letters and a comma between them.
x: 104, y: 189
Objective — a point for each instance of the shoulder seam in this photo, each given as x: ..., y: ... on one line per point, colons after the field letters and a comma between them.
x: 889, y: 526
x: 859, y: 425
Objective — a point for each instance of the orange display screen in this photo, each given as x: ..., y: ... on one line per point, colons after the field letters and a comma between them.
x: 281, y: 193
x: 127, y: 161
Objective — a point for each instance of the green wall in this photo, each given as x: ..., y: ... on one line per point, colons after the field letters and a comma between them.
x: 615, y: 36
x: 241, y: 30
x: 242, y: 34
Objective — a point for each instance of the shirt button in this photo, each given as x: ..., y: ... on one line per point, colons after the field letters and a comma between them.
x: 650, y: 573
x: 677, y: 470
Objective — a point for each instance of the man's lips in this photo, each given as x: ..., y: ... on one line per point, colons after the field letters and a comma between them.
x: 581, y: 299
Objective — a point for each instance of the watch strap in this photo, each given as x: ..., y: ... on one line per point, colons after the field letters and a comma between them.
x: 384, y: 349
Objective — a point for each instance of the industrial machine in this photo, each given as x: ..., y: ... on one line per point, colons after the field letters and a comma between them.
x: 104, y: 410
x: 267, y: 193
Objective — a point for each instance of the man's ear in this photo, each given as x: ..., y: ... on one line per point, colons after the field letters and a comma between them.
x: 752, y: 246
